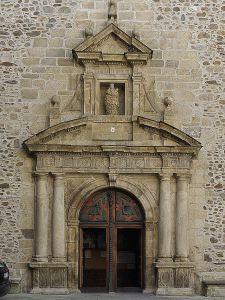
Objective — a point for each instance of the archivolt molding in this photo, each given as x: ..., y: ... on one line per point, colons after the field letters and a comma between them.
x: 140, y: 191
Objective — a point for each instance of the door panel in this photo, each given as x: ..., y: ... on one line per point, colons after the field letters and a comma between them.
x: 128, y: 257
x: 94, y: 257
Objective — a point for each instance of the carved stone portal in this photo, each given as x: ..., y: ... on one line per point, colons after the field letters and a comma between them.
x: 113, y: 138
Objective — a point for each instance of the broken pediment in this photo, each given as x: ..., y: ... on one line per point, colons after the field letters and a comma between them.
x: 88, y: 134
x: 112, y: 44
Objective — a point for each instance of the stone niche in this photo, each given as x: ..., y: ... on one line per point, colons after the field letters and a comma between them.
x: 114, y: 143
x: 112, y: 58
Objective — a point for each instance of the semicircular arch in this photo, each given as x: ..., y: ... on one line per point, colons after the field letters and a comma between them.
x: 143, y: 195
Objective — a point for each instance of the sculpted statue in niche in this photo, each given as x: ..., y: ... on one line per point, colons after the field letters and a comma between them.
x: 112, y: 104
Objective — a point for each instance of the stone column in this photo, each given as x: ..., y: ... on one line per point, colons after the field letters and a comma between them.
x: 58, y: 219
x: 165, y: 219
x: 182, y: 218
x: 42, y: 208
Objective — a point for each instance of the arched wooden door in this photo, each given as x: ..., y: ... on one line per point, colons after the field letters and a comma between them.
x: 111, y: 242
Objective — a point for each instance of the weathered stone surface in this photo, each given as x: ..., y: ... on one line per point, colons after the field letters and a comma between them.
x: 40, y: 42
x: 55, y: 52
x: 29, y: 93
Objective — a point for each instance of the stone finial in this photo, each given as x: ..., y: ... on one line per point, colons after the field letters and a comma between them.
x: 112, y: 100
x: 169, y: 110
x: 112, y: 15
x: 89, y: 30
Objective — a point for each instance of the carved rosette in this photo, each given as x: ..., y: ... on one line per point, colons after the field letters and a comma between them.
x: 112, y: 101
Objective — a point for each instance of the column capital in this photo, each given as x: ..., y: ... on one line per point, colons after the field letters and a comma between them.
x: 183, y: 176
x: 165, y: 176
x: 58, y: 175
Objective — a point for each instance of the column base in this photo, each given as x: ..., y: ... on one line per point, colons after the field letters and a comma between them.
x: 38, y: 258
x: 164, y: 259
x: 181, y: 259
x: 59, y: 259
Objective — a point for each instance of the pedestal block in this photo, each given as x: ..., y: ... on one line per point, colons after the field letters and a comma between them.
x: 49, y: 278
x: 175, y: 278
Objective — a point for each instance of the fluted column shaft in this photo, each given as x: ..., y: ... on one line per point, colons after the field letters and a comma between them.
x: 42, y: 208
x: 165, y: 218
x: 182, y: 218
x: 58, y: 219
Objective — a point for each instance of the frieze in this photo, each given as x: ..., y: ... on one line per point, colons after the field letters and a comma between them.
x: 112, y: 161
x: 177, y: 161
x: 130, y: 162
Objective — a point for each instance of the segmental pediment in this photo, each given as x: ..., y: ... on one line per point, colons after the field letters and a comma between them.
x: 137, y: 134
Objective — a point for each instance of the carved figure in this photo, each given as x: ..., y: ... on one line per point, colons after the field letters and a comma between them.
x: 112, y: 100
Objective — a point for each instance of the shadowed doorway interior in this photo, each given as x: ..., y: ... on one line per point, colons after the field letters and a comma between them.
x: 111, y: 242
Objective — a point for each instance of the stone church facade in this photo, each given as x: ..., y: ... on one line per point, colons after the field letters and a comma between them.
x: 112, y: 146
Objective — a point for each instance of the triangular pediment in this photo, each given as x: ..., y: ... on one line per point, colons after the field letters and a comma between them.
x: 86, y: 134
x: 111, y: 40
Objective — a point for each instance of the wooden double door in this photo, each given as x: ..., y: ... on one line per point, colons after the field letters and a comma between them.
x: 111, y: 242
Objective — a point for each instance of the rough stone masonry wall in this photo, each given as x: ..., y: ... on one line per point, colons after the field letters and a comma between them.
x: 188, y: 42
